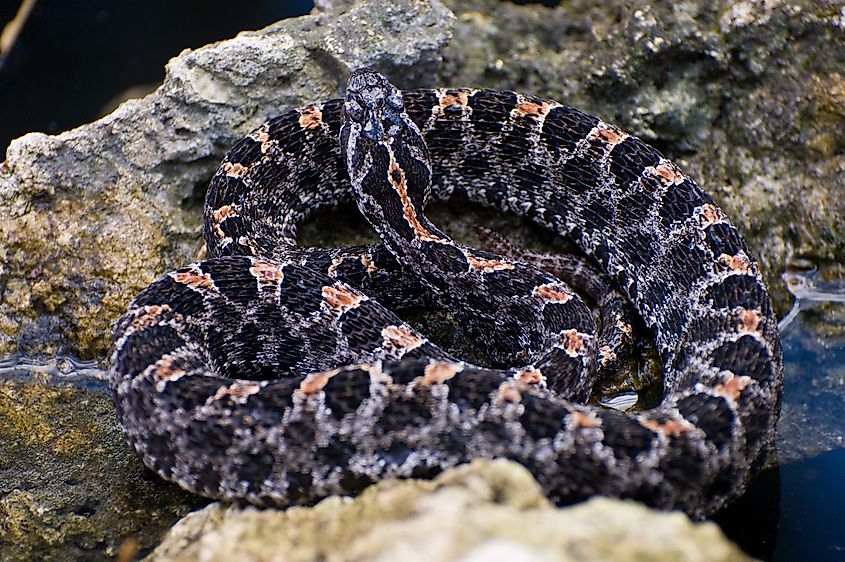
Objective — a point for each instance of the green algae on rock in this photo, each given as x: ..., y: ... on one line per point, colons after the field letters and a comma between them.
x: 71, y: 487
x: 487, y: 510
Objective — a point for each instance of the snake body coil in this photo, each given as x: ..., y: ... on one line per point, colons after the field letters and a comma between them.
x: 273, y: 373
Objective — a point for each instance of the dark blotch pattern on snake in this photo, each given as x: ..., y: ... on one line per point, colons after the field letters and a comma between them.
x: 276, y: 374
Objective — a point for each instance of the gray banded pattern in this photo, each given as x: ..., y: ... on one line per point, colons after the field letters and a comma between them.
x: 274, y: 373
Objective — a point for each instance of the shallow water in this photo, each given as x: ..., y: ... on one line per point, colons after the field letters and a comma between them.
x: 795, y: 510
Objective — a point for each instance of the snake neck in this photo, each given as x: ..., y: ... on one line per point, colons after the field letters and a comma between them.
x: 389, y: 166
x: 390, y: 170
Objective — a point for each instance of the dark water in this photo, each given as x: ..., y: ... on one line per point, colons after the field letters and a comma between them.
x: 796, y: 511
x: 73, y: 57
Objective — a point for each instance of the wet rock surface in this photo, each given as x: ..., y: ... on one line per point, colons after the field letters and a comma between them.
x: 70, y: 487
x: 747, y: 97
x: 484, y: 511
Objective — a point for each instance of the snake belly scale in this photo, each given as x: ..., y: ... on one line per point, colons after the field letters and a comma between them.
x: 278, y: 374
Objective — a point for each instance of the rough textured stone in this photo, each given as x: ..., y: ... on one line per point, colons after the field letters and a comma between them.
x: 91, y: 216
x: 70, y: 487
x: 747, y: 97
x: 484, y: 511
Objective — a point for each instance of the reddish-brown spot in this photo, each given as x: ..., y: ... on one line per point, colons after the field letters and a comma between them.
x: 584, y: 420
x: 315, y: 382
x: 670, y: 428
x: 532, y: 109
x: 237, y: 391
x: 553, y: 292
x: 267, y: 273
x: 340, y: 298
x: 458, y: 97
x: 367, y: 262
x: 573, y: 343
x: 733, y: 386
x: 438, y: 372
x: 149, y: 315
x: 607, y: 134
x: 749, y: 320
x: 487, y: 265
x: 400, y: 337
x: 531, y: 376
x: 377, y: 376
x: 396, y: 177
x: 738, y: 263
x: 165, y: 371
x: 223, y: 213
x: 668, y: 173
x: 509, y: 391
x: 220, y: 215
x: 709, y: 214
x: 310, y: 117
x: 234, y: 170
x: 625, y: 327
x: 263, y: 136
x: 332, y: 270
x: 194, y: 277
x: 607, y: 354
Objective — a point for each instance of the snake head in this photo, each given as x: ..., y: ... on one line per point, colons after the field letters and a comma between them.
x: 373, y: 104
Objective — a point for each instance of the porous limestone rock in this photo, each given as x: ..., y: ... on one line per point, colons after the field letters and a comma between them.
x: 487, y: 511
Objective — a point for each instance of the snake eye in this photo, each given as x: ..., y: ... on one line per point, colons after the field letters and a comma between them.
x: 394, y: 101
x: 354, y: 110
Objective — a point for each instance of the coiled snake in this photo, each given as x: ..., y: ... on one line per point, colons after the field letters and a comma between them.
x: 272, y: 373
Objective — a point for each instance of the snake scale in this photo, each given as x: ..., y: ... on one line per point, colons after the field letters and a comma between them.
x: 277, y: 374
